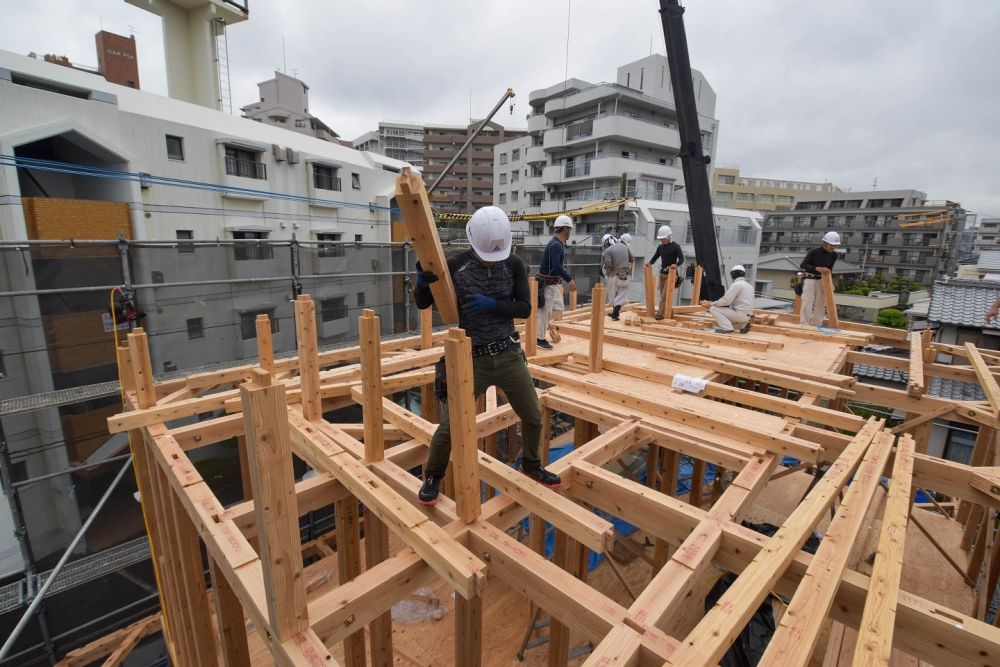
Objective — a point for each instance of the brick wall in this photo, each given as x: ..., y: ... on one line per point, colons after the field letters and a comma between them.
x: 86, y: 432
x: 48, y: 218
x: 116, y: 58
x: 77, y: 341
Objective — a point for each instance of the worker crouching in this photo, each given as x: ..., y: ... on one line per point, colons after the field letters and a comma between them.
x: 735, y: 308
x: 491, y: 285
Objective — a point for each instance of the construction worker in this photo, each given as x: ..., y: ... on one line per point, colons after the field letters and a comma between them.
x: 735, y: 308
x: 551, y: 273
x: 617, y: 260
x: 491, y: 286
x: 670, y: 254
x: 817, y: 262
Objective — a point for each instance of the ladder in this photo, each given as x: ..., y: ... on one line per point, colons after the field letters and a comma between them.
x: 222, y: 67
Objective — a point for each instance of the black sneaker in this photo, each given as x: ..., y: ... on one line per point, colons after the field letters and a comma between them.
x: 428, y: 494
x: 544, y: 344
x: 543, y: 477
x: 746, y: 328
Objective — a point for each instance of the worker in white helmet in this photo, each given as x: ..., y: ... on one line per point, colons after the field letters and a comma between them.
x: 735, y: 308
x: 491, y: 286
x: 817, y: 262
x: 670, y: 254
x: 551, y: 273
x: 617, y: 263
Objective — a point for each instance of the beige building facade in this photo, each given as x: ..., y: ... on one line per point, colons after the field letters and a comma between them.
x: 732, y: 190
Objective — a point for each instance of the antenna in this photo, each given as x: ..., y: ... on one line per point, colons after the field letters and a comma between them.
x: 650, y: 43
x: 875, y: 184
x: 284, y: 58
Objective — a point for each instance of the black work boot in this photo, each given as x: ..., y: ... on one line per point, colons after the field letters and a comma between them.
x: 615, y: 312
x: 746, y: 327
x: 542, y: 476
x: 544, y: 344
x: 428, y: 494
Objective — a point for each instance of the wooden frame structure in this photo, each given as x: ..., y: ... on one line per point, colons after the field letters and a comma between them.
x: 779, y: 391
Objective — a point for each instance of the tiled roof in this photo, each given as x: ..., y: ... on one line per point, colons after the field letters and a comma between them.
x: 989, y: 260
x: 962, y: 302
x: 955, y: 390
x: 879, y: 373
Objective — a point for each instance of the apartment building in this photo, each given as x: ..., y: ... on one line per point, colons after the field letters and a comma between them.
x: 987, y: 234
x: 400, y: 141
x: 882, y: 231
x: 284, y: 102
x: 203, y: 197
x: 732, y: 190
x: 585, y: 138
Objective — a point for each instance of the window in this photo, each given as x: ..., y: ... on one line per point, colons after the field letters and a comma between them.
x: 503, y: 158
x: 724, y: 196
x: 329, y: 245
x: 658, y: 191
x: 743, y: 236
x: 244, y: 163
x: 515, y: 176
x: 175, y: 147
x: 744, y: 196
x: 503, y: 198
x: 503, y: 178
x: 784, y: 199
x: 333, y: 309
x: 356, y: 181
x: 513, y: 196
x: 196, y: 328
x: 247, y: 251
x: 765, y: 199
x: 515, y: 155
x: 362, y: 300
x: 325, y: 178
x: 725, y: 179
x: 299, y: 122
x: 248, y: 323
x: 185, y: 235
x: 3, y: 367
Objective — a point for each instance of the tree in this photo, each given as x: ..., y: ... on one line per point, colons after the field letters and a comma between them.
x: 891, y: 317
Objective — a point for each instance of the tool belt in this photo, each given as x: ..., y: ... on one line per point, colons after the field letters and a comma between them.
x: 814, y: 276
x: 624, y: 274
x: 549, y: 280
x: 495, y: 347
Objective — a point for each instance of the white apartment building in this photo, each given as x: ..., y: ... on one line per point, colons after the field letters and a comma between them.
x: 400, y: 141
x: 236, y: 181
x: 583, y: 138
x: 284, y: 102
x: 987, y: 234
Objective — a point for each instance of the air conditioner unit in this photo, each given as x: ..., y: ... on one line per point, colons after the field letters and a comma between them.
x: 278, y: 153
x: 292, y: 156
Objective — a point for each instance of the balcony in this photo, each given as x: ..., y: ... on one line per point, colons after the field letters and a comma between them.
x: 534, y: 154
x: 533, y: 184
x: 245, y: 168
x: 537, y: 123
x: 636, y: 131
x: 610, y: 167
x: 554, y: 139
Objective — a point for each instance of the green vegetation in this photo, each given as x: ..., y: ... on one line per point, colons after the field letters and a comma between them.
x: 876, y: 283
x: 890, y: 317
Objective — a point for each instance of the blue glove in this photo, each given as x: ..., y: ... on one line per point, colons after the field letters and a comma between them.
x: 480, y: 303
x: 425, y: 278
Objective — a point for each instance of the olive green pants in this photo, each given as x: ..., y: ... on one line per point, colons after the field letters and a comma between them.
x: 509, y: 372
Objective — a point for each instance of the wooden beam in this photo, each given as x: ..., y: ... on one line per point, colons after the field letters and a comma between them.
x: 411, y: 197
x: 266, y: 426
x: 371, y: 383
x: 649, y: 287
x: 462, y: 417
x: 800, y: 625
x: 349, y: 567
x: 305, y: 325
x: 596, y: 358
x: 915, y: 385
x: 831, y: 300
x: 265, y: 344
x: 986, y: 379
x: 696, y: 286
x: 874, y: 642
x: 230, y: 622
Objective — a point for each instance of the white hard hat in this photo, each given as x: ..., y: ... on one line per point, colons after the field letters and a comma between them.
x: 664, y: 232
x: 607, y: 238
x: 738, y: 267
x: 489, y: 234
x: 563, y: 221
x: 626, y: 238
x: 833, y: 238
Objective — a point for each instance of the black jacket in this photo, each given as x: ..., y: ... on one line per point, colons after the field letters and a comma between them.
x: 816, y: 258
x: 670, y: 253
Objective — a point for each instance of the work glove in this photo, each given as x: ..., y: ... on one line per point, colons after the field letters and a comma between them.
x: 425, y: 278
x: 479, y: 303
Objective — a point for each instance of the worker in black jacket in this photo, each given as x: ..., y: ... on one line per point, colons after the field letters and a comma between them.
x: 817, y: 262
x: 670, y: 254
x: 492, y: 289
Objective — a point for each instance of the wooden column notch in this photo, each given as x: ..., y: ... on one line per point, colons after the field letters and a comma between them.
x: 462, y: 416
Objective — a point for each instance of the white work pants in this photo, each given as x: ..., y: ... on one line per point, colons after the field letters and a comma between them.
x: 553, y: 305
x: 727, y: 318
x: 813, y: 303
x: 617, y: 289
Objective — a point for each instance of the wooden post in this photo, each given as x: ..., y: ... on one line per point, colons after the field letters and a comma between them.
x: 697, y: 481
x: 380, y: 629
x: 426, y: 329
x: 831, y: 301
x: 797, y: 305
x: 668, y: 294
x: 125, y: 368
x: 469, y: 631
x: 462, y: 415
x: 696, y: 286
x: 265, y: 422
x: 348, y: 567
x: 229, y: 618
x: 572, y: 299
x: 669, y: 461
x: 265, y: 344
x: 567, y: 556
x: 245, y: 477
x: 597, y: 329
x: 305, y: 324
x: 531, y: 332
x: 428, y: 399
x: 371, y: 385
x: 649, y: 286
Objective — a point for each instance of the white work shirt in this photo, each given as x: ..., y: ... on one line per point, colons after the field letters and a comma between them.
x: 739, y: 297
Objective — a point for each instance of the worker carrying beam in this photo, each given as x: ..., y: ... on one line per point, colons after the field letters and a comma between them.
x: 669, y: 253
x: 735, y: 308
x: 617, y: 260
x: 551, y: 273
x: 817, y: 262
x: 491, y: 286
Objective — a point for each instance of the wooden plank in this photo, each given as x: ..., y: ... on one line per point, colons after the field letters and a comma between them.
x: 127, y: 645
x: 696, y: 286
x: 596, y: 358
x: 986, y: 379
x: 265, y: 344
x: 711, y: 638
x: 142, y: 370
x: 744, y: 342
x: 668, y: 294
x: 349, y: 567
x: 649, y: 288
x: 915, y: 385
x: 531, y: 332
x: 266, y: 426
x: 305, y: 326
x: 411, y: 197
x: 462, y: 416
x: 874, y: 643
x: 831, y: 300
x: 371, y: 385
x: 230, y: 622
x: 105, y: 645
x: 808, y: 333
x: 799, y: 628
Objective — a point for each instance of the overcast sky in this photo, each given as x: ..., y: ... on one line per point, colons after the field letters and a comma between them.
x: 905, y: 91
